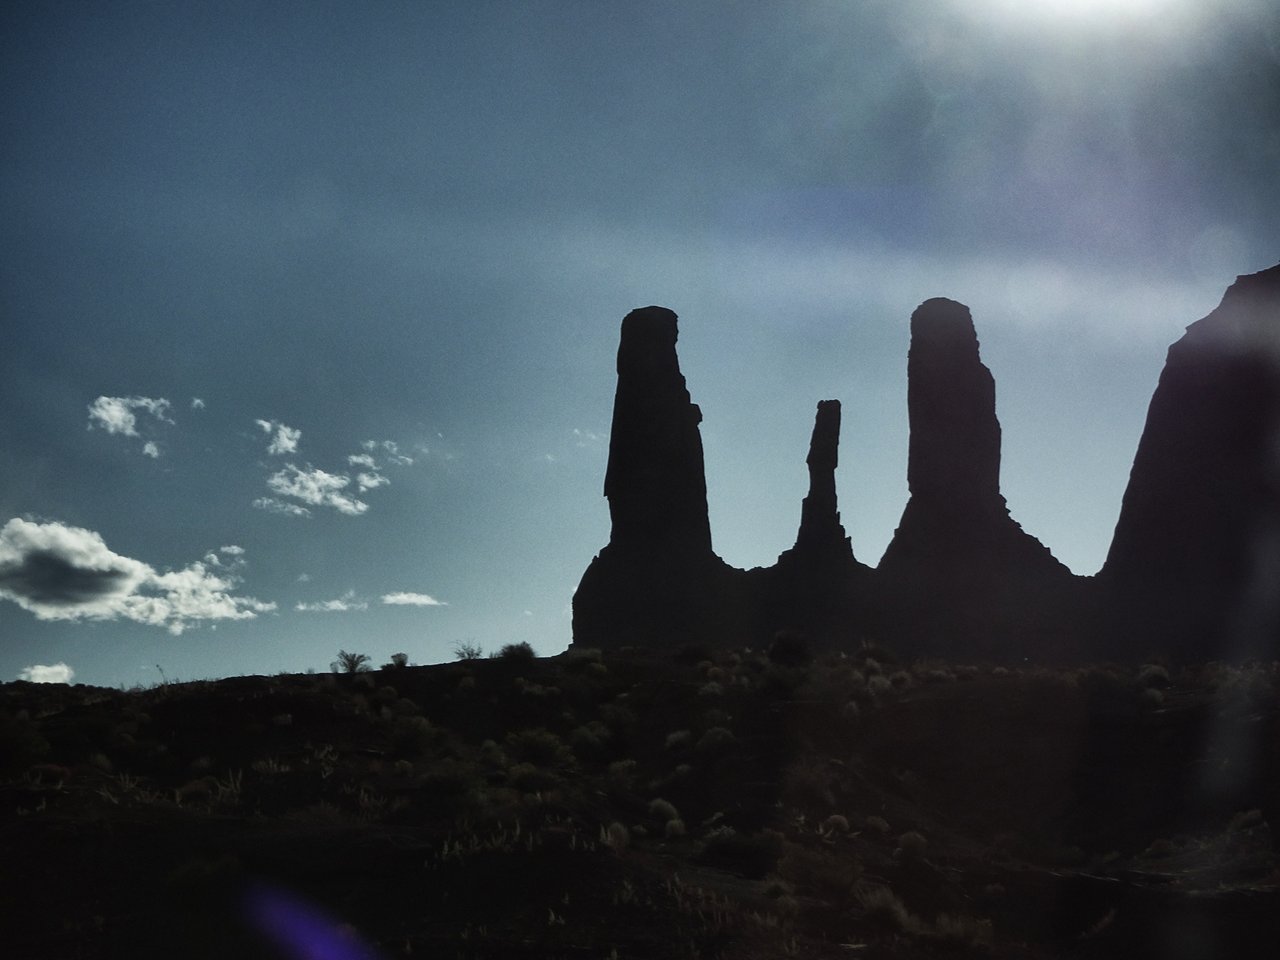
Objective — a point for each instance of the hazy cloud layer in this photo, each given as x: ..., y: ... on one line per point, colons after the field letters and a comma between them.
x: 272, y: 505
x: 313, y: 487
x: 342, y: 604
x: 52, y: 673
x: 412, y: 600
x: 284, y: 439
x: 59, y: 572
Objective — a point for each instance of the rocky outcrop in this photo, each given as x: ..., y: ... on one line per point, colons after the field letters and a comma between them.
x: 1194, y: 567
x: 960, y: 576
x: 657, y: 582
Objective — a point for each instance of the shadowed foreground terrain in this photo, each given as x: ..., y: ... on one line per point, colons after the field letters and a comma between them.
x: 691, y: 804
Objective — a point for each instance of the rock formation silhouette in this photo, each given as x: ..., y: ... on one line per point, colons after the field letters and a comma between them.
x: 1194, y: 567
x: 816, y: 588
x: 960, y: 576
x: 1193, y: 572
x: 658, y: 582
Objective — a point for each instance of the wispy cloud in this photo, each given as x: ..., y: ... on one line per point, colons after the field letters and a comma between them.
x: 60, y: 572
x: 311, y: 486
x: 197, y: 403
x: 587, y: 438
x: 412, y: 600
x: 272, y: 505
x: 284, y: 439
x: 342, y: 604
x: 362, y: 460
x: 370, y: 481
x: 51, y: 673
x: 389, y: 450
x: 151, y: 449
x: 115, y: 414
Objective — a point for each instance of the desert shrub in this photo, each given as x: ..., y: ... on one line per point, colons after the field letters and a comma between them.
x: 663, y: 810
x: 350, y: 662
x: 384, y: 696
x: 412, y: 736
x: 538, y: 746
x: 399, y: 661
x: 1153, y: 675
x: 618, y: 716
x: 1151, y: 697
x: 20, y: 742
x: 403, y: 707
x: 808, y: 785
x: 753, y: 857
x: 878, y: 825
x: 678, y: 739
x: 520, y: 652
x: 589, y: 740
x: 616, y: 837
x: 467, y: 650
x: 674, y: 828
x: 912, y: 845
x: 879, y: 684
x: 822, y: 872
x: 961, y: 931
x: 715, y: 740
x: 790, y: 649
x: 900, y: 679
x: 528, y: 778
x: 578, y: 660
x: 882, y: 907
x: 711, y: 688
x: 1245, y: 820
x: 834, y: 825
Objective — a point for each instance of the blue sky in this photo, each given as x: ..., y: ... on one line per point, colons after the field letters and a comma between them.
x: 388, y: 247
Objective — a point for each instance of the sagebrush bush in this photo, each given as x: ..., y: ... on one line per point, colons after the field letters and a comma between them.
x: 520, y: 652
x: 412, y: 736
x: 538, y: 746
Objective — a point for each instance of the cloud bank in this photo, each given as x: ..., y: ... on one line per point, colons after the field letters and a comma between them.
x: 343, y: 604
x: 60, y: 572
x: 412, y: 600
x: 52, y: 673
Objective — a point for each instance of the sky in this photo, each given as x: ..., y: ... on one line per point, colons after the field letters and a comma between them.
x: 310, y: 310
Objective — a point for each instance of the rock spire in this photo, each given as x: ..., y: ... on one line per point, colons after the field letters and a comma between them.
x: 1194, y: 567
x: 960, y: 575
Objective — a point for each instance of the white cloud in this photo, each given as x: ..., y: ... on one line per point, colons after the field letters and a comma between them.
x: 370, y: 481
x: 390, y: 450
x: 151, y: 449
x: 304, y: 578
x: 53, y: 673
x: 115, y: 414
x: 285, y: 439
x: 197, y: 403
x: 232, y: 550
x: 316, y: 488
x: 59, y: 572
x: 586, y: 438
x: 343, y: 604
x: 272, y: 505
x: 362, y: 460
x: 412, y: 600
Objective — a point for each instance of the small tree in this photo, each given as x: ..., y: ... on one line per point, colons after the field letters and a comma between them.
x: 398, y: 662
x: 467, y: 650
x: 350, y: 662
x: 516, y: 652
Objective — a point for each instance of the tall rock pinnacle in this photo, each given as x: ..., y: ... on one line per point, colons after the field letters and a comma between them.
x: 655, y: 480
x: 657, y: 582
x: 1194, y: 567
x: 960, y: 575
x: 820, y: 529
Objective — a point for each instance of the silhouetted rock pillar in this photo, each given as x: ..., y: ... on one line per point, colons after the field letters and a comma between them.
x: 1194, y: 567
x: 820, y: 528
x: 960, y: 575
x: 657, y: 583
x: 655, y: 481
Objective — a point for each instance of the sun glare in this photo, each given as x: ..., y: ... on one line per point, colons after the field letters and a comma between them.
x: 1061, y: 13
